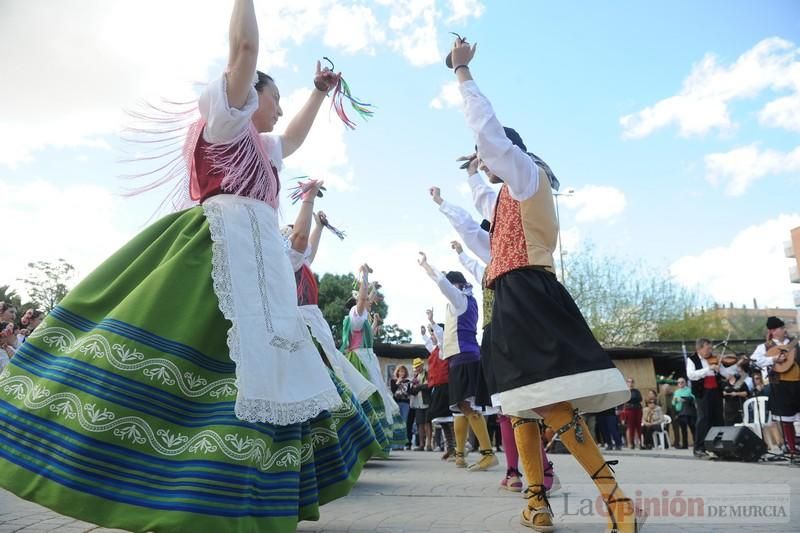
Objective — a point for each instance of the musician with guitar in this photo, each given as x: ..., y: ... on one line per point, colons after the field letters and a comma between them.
x: 706, y: 373
x: 778, y: 356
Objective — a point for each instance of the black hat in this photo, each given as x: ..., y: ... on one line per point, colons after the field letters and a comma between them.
x: 515, y: 138
x: 486, y: 225
x: 455, y: 276
x: 774, y: 322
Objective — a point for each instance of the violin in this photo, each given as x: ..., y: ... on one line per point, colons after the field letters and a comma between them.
x: 723, y: 360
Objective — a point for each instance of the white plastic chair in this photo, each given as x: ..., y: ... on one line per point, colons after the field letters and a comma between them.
x: 661, y: 437
x: 755, y: 415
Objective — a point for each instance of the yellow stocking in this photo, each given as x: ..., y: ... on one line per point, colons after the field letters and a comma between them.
x: 576, y: 437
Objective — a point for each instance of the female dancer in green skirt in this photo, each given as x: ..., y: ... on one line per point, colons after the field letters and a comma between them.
x: 357, y: 342
x: 176, y: 388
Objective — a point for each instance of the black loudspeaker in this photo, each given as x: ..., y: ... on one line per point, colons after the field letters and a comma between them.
x: 734, y: 443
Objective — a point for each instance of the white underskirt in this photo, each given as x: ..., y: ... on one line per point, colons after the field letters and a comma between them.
x: 589, y: 392
x: 370, y: 361
x: 344, y: 369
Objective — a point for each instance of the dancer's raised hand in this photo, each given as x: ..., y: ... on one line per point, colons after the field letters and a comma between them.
x: 436, y: 194
x: 455, y: 245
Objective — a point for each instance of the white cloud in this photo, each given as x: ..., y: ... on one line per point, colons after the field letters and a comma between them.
x: 753, y: 265
x: 324, y: 152
x: 82, y: 236
x: 449, y: 96
x: 77, y: 68
x: 740, y: 167
x: 594, y: 203
x: 462, y: 10
x: 353, y: 29
x: 782, y: 113
x: 702, y: 104
x: 407, y: 288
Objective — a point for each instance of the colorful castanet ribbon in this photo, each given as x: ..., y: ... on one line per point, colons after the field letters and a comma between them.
x: 341, y: 94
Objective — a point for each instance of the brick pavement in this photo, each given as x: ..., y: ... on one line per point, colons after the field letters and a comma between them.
x: 416, y: 492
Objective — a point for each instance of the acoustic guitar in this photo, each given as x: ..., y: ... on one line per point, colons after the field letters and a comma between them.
x: 789, y: 353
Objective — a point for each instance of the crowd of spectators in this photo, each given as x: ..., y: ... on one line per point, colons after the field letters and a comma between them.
x: 15, y: 327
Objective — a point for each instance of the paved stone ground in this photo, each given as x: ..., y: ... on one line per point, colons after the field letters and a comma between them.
x: 416, y: 492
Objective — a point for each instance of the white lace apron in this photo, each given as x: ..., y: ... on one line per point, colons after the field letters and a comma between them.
x: 279, y: 373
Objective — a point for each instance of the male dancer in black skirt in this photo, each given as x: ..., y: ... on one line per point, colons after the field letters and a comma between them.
x: 544, y: 359
x: 460, y: 348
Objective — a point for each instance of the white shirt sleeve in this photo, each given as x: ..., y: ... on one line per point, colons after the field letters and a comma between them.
x: 223, y: 122
x: 439, y: 332
x: 455, y: 297
x: 357, y: 321
x: 483, y: 196
x: 760, y: 358
x: 510, y: 163
x: 473, y: 266
x: 296, y: 259
x: 697, y: 374
x: 429, y: 345
x: 474, y: 237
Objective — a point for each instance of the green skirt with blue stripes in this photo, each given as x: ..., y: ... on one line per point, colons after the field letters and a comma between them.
x: 119, y: 409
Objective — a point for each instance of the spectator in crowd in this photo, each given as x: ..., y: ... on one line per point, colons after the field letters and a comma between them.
x: 652, y: 418
x: 400, y: 387
x: 632, y: 415
x: 8, y: 343
x: 419, y: 400
x: 734, y: 393
x: 8, y: 313
x: 665, y: 394
x: 686, y: 413
x: 608, y: 426
x: 759, y: 388
x: 31, y: 319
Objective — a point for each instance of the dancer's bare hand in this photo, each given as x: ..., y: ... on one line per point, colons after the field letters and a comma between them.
x: 436, y: 194
x: 462, y: 52
x: 455, y: 245
x: 325, y: 79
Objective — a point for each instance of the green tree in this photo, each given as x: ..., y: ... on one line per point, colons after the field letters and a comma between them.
x: 47, y: 282
x: 334, y: 292
x: 626, y: 303
x: 10, y: 296
x: 393, y: 334
x: 693, y: 325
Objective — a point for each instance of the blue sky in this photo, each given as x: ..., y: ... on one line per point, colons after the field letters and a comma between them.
x: 699, y: 180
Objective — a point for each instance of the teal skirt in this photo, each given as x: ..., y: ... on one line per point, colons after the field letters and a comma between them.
x: 119, y: 409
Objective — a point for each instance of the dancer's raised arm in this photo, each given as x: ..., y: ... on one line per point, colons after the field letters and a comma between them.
x: 499, y: 156
x: 302, y: 224
x: 316, y: 234
x: 243, y: 54
x: 297, y: 130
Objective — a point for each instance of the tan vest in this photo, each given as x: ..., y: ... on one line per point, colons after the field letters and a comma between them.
x: 523, y: 233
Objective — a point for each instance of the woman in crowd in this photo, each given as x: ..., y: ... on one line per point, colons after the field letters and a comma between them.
x: 632, y: 415
x: 400, y: 386
x: 683, y: 403
x: 652, y: 418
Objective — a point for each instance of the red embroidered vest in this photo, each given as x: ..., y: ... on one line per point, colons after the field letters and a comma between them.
x: 244, y: 160
x: 524, y: 233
